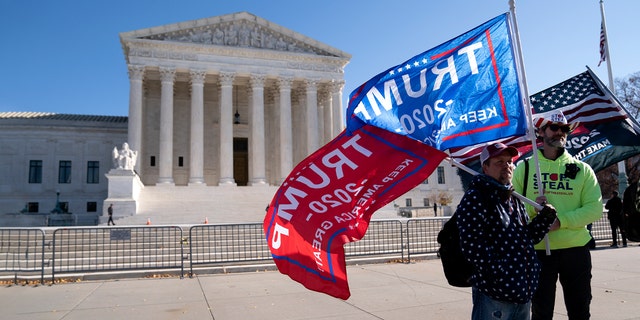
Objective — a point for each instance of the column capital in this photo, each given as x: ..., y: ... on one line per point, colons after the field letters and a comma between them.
x: 337, y: 85
x: 167, y: 74
x: 257, y: 80
x: 136, y: 71
x: 197, y: 76
x: 226, y: 78
x: 285, y: 83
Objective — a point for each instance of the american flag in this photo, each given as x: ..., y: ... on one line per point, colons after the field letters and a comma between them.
x: 603, y: 40
x: 581, y: 98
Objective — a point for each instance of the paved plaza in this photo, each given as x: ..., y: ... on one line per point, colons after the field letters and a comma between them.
x: 378, y: 291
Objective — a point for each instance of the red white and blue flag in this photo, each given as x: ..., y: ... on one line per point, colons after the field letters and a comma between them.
x: 465, y: 91
x: 606, y: 135
x: 603, y: 45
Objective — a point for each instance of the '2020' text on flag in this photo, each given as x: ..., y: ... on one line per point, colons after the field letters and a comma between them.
x: 606, y: 135
x: 399, y: 123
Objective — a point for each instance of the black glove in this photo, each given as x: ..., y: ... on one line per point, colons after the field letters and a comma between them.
x: 548, y: 212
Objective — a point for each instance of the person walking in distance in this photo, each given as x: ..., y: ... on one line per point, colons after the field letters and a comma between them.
x: 572, y: 188
x: 497, y: 238
x: 110, y: 212
x: 616, y: 219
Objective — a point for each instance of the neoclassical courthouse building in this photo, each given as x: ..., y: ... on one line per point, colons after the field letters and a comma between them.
x: 220, y: 111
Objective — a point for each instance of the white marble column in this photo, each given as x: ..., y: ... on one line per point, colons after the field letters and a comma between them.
x: 336, y: 107
x: 196, y: 171
x: 286, y: 134
x: 165, y: 172
x: 327, y: 116
x: 226, y: 129
x: 312, y: 116
x: 256, y: 125
x: 134, y: 138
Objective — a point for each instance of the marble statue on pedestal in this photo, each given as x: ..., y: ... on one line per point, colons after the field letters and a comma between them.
x: 125, y: 158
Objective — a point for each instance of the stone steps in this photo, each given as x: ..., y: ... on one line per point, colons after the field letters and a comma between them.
x: 188, y: 205
x: 193, y: 204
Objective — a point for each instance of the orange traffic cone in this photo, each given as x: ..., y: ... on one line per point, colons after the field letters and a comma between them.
x: 148, y: 221
x: 206, y: 220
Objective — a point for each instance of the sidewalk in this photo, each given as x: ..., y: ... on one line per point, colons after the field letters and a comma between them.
x: 378, y: 291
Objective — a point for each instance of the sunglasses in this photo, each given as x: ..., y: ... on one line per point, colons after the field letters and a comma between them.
x: 555, y: 127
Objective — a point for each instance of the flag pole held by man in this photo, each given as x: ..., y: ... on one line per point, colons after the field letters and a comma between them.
x: 463, y: 92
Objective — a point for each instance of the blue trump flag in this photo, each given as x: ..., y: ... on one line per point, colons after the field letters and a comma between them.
x: 460, y: 93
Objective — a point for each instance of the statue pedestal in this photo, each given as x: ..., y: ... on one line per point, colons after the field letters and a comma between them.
x: 124, y: 190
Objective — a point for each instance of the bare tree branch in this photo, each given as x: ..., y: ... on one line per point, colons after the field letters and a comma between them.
x: 628, y: 91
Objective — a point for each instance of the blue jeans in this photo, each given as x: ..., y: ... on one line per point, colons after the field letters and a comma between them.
x: 485, y: 308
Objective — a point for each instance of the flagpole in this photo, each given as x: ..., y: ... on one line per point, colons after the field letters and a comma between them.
x: 515, y: 194
x: 527, y: 107
x: 606, y: 46
x: 622, y: 172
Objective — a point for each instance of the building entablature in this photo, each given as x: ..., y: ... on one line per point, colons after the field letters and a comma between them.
x: 240, y: 42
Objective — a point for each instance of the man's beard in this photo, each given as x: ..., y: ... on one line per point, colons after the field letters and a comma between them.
x: 556, y: 142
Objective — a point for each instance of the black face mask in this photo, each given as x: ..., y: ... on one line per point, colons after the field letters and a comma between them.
x: 571, y: 170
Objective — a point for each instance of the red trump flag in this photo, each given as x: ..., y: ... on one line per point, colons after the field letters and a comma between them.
x: 329, y: 198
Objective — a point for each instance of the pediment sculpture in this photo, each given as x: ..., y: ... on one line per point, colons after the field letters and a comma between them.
x: 239, y: 33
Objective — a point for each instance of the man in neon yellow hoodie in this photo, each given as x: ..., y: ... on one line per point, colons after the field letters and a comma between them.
x: 572, y: 188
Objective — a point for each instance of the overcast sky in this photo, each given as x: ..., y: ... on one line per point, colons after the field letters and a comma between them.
x: 65, y: 56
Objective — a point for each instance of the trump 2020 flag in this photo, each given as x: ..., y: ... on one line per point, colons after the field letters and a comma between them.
x: 463, y: 92
x: 329, y: 198
x: 399, y: 123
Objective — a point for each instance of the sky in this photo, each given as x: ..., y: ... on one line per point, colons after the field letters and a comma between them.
x: 65, y: 56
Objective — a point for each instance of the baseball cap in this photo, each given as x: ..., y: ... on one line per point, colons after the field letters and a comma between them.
x: 554, y: 117
x: 496, y: 148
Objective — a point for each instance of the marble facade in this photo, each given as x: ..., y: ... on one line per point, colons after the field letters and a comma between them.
x: 229, y: 100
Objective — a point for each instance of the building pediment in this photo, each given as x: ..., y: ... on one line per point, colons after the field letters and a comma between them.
x: 238, y: 30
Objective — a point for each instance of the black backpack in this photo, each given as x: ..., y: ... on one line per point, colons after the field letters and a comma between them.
x: 457, y: 269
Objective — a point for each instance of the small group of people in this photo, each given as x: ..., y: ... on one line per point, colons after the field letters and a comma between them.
x: 515, y: 269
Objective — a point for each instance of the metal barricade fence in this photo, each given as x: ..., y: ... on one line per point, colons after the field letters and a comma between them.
x: 383, y: 238
x: 133, y: 248
x: 22, y: 250
x: 422, y: 234
x: 601, y: 229
x: 227, y: 243
x: 245, y: 243
x: 115, y: 249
